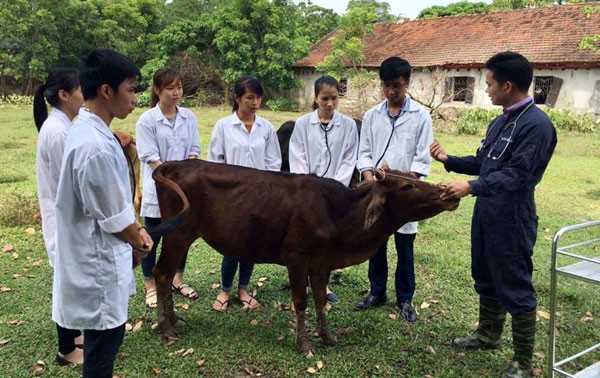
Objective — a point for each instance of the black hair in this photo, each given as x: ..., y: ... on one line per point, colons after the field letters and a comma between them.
x: 246, y: 84
x: 66, y: 79
x: 513, y: 67
x: 161, y: 79
x: 320, y: 83
x: 105, y: 66
x: 393, y: 68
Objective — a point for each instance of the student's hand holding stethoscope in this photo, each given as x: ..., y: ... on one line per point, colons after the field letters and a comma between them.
x: 452, y: 189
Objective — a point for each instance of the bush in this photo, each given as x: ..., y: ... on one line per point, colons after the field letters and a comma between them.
x: 18, y: 209
x: 282, y: 103
x: 143, y: 99
x: 475, y: 121
x: 14, y: 99
x: 566, y: 120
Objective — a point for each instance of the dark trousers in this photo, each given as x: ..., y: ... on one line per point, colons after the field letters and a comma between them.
x: 149, y: 261
x: 228, y: 269
x: 66, y: 339
x: 405, y: 269
x: 502, y: 239
x: 99, y: 351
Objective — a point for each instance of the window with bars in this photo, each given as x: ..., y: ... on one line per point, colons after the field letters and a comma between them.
x: 541, y: 88
x: 459, y: 88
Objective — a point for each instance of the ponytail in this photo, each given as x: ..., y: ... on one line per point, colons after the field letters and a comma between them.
x: 66, y: 79
x: 40, y: 111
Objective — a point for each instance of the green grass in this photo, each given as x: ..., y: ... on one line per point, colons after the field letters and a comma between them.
x: 370, y: 344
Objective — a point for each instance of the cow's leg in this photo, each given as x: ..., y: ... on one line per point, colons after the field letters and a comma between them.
x: 298, y: 285
x: 176, y: 246
x: 318, y: 282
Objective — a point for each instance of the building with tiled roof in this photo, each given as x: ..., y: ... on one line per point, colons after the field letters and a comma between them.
x: 456, y: 47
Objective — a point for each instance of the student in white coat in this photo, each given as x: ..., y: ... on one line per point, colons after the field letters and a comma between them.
x: 398, y: 131
x: 95, y: 221
x: 325, y: 142
x: 62, y: 91
x: 245, y: 139
x: 164, y: 133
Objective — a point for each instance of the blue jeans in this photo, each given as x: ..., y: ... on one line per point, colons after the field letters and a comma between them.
x: 99, y: 351
x: 405, y: 269
x: 228, y: 269
x: 149, y: 261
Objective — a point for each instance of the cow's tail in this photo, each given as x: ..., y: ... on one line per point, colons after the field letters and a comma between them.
x: 170, y: 225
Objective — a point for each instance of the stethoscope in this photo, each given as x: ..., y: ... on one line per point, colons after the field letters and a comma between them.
x: 326, y: 129
x: 512, y: 125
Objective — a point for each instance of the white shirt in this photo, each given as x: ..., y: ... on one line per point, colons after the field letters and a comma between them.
x: 93, y: 275
x: 157, y: 139
x: 408, y: 150
x: 51, y: 143
x: 230, y: 143
x: 309, y: 152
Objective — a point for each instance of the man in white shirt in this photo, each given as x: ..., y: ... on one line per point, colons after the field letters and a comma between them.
x: 96, y: 226
x: 399, y: 132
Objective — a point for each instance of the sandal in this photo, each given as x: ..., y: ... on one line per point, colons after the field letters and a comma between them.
x: 189, y: 294
x: 220, y: 306
x: 151, y: 299
x: 251, y: 304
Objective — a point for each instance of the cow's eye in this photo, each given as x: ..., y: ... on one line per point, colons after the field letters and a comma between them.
x: 406, y: 187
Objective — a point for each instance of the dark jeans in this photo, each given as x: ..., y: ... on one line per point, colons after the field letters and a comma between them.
x: 149, y: 261
x: 99, y: 351
x: 66, y: 339
x: 228, y: 269
x: 405, y: 269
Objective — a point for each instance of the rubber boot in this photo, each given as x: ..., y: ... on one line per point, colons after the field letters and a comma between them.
x: 488, y: 334
x: 523, y: 326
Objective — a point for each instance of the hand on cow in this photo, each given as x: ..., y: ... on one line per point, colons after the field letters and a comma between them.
x: 437, y: 152
x: 368, y: 175
x: 456, y: 190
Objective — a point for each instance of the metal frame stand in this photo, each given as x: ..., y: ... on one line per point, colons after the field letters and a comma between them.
x: 585, y: 269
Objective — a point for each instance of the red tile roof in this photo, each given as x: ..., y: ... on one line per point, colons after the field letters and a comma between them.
x: 548, y: 37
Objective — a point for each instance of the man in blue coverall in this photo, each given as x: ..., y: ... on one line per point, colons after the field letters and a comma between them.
x: 510, y: 162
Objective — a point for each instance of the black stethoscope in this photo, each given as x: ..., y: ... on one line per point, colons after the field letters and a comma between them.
x: 326, y: 129
x: 512, y: 125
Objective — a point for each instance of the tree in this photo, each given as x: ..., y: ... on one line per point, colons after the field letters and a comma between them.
x: 316, y: 21
x: 260, y: 38
x: 591, y: 42
x: 381, y: 9
x: 454, y: 9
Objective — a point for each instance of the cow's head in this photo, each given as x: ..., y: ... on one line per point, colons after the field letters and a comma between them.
x: 404, y: 198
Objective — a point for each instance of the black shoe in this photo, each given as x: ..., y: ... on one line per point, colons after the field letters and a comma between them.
x: 476, y: 341
x: 332, y: 298
x: 407, y: 311
x: 370, y: 301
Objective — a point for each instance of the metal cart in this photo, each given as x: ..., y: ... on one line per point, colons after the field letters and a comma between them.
x: 585, y: 269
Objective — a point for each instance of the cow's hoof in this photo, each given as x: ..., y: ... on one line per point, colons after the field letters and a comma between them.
x: 179, y: 322
x: 328, y: 339
x: 304, y: 347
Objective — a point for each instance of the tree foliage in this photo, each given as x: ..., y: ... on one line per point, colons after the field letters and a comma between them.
x: 454, y: 9
x: 380, y: 8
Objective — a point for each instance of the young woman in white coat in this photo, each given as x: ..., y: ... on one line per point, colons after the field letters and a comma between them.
x: 245, y: 139
x: 62, y: 91
x: 164, y: 133
x: 325, y: 142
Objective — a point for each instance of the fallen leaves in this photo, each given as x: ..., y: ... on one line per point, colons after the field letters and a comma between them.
x: 5, y: 289
x: 18, y: 276
x: 15, y: 323
x: 312, y: 370
x: 587, y: 317
x: 3, y: 342
x: 8, y: 248
x: 37, y: 367
x: 183, y: 305
x: 30, y: 230
x: 393, y: 316
x: 543, y: 314
x: 425, y: 305
x: 215, y: 286
x: 134, y: 328
x: 200, y: 362
x: 254, y: 322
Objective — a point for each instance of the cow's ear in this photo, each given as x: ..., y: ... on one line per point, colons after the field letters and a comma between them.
x: 374, y: 211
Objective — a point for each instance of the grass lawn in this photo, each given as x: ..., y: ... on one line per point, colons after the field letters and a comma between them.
x: 238, y: 344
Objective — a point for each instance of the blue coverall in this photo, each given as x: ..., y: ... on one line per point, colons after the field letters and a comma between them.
x: 510, y: 162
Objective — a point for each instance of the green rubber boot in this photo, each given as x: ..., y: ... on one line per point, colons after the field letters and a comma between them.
x: 523, y: 326
x: 488, y: 334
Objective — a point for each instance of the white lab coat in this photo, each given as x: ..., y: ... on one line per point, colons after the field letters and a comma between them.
x: 308, y: 148
x: 93, y: 275
x: 230, y: 143
x: 408, y: 150
x: 157, y: 139
x: 51, y: 143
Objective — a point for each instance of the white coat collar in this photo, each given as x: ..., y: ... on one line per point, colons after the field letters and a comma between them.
x: 237, y: 121
x: 159, y: 116
x: 335, y: 121
x: 412, y: 106
x: 91, y: 118
x: 62, y: 117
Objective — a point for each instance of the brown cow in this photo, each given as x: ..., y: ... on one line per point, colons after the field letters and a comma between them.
x: 133, y: 162
x: 310, y: 225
